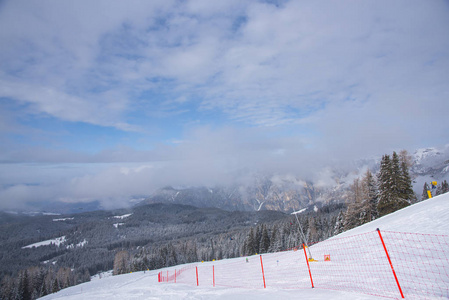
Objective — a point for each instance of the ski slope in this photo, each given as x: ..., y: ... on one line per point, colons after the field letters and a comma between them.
x: 428, y: 217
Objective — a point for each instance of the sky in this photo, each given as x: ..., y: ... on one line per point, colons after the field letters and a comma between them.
x: 105, y: 100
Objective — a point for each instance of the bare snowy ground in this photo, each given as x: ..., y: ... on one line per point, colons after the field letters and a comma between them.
x: 142, y: 285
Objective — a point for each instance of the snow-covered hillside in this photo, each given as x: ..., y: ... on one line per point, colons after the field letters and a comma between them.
x: 430, y: 217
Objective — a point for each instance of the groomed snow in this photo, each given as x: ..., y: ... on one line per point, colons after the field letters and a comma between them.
x: 142, y: 285
x: 122, y: 217
x: 62, y: 219
x: 57, y: 241
x: 431, y: 216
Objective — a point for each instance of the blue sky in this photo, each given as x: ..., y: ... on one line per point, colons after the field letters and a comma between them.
x: 107, y: 93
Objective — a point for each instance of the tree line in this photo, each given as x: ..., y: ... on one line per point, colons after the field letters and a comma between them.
x: 435, y: 191
x: 35, y: 282
x: 373, y: 196
x: 265, y: 237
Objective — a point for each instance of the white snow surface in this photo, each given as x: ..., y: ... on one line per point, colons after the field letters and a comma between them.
x: 431, y: 216
x: 57, y: 241
x: 423, y: 153
x: 122, y: 217
x: 299, y: 211
x: 62, y: 219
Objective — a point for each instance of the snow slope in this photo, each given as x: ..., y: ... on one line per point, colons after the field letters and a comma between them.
x: 57, y: 241
x: 431, y: 216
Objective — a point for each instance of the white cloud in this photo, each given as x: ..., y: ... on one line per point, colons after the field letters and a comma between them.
x: 312, y: 82
x: 298, y: 56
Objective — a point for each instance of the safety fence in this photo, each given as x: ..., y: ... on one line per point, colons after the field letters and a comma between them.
x: 387, y: 264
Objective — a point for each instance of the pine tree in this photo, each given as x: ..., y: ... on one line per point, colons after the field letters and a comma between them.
x: 172, y: 258
x: 264, y: 244
x: 257, y: 238
x: 250, y: 243
x: 395, y: 181
x: 389, y: 177
x: 340, y: 223
x: 439, y: 190
x: 425, y: 194
x: 405, y: 182
x: 275, y: 240
x: 384, y: 176
x: 192, y: 253
x: 7, y: 288
x: 23, y: 289
x: 371, y: 196
x: 55, y: 286
x: 444, y: 187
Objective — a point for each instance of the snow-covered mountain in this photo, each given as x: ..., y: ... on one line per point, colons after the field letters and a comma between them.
x: 429, y: 164
x: 287, y: 193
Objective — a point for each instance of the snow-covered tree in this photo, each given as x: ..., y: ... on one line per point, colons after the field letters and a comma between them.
x: 370, y: 196
x: 264, y: 243
x: 121, y: 262
x: 275, y: 240
x: 250, y: 243
x: 340, y: 223
x: 425, y: 194
x: 404, y: 180
x: 391, y: 183
x: 442, y: 188
x: 23, y: 288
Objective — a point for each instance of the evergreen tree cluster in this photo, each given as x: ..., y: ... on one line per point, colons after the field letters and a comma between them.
x: 425, y: 194
x: 372, y: 196
x: 441, y: 188
x: 266, y: 237
x: 286, y: 234
x: 259, y: 241
x: 362, y: 203
x: 35, y: 282
x: 395, y: 184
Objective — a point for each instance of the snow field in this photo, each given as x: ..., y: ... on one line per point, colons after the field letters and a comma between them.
x: 357, y: 264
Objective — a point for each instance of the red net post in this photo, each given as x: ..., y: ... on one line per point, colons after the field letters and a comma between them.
x: 308, y: 266
x: 389, y: 261
x: 354, y: 263
x: 197, y: 282
x: 263, y: 274
x: 421, y: 262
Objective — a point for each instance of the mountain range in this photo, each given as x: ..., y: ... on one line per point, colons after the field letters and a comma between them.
x: 282, y: 192
x: 287, y: 193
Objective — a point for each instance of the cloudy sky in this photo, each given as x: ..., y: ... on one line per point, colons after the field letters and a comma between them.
x: 105, y: 100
